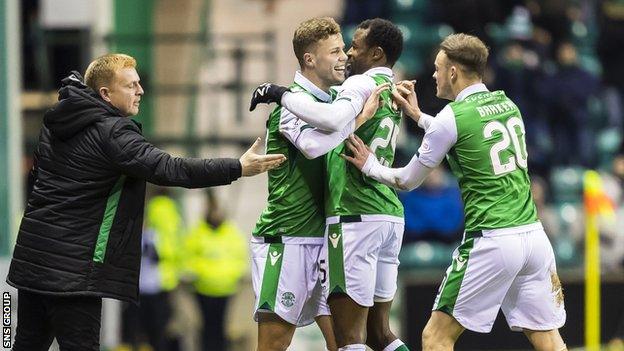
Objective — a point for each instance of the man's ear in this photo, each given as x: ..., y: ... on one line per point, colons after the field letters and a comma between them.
x: 378, y: 54
x: 308, y: 60
x: 454, y: 71
x: 105, y: 94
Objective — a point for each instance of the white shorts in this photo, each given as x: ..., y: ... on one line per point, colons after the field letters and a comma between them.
x: 363, y: 260
x: 287, y: 283
x: 512, y: 269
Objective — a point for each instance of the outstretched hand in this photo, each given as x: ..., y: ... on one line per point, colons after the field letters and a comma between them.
x: 405, y: 96
x: 267, y: 93
x: 253, y: 162
x: 371, y: 105
x: 360, y: 151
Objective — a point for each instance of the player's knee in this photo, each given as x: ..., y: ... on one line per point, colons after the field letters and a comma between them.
x: 433, y: 340
x: 350, y: 336
x: 273, y: 342
x: 546, y: 340
x: 427, y: 338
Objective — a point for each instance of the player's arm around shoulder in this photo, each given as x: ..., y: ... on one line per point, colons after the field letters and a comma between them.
x: 310, y: 141
x: 356, y: 89
x: 335, y: 116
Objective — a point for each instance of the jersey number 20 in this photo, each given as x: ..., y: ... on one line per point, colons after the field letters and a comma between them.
x: 509, y: 136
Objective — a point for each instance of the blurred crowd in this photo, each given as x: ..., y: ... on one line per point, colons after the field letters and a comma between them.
x: 189, y: 273
x: 560, y: 62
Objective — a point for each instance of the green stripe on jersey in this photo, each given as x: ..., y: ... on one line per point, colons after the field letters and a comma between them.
x: 295, y: 203
x: 107, y: 220
x: 270, y: 277
x: 336, y: 259
x: 489, y: 160
x: 452, y: 283
x: 348, y: 191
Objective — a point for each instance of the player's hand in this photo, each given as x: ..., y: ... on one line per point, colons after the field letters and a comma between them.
x: 359, y: 149
x: 405, y: 96
x: 253, y: 162
x: 371, y: 105
x: 267, y: 93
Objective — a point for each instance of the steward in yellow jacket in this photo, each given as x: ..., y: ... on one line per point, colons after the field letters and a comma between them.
x: 217, y: 258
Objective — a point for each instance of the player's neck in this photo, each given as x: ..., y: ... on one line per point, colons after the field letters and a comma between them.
x: 314, y: 78
x: 463, y: 84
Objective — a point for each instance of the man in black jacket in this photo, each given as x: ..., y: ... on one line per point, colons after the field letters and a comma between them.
x: 80, y: 238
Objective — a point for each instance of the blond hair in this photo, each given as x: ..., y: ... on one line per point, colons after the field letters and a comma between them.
x: 312, y: 31
x: 102, y: 70
x: 468, y: 51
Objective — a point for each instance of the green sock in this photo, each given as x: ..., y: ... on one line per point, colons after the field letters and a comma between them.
x: 396, y: 345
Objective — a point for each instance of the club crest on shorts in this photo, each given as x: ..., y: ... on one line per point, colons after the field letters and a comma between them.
x: 334, y: 237
x: 288, y: 299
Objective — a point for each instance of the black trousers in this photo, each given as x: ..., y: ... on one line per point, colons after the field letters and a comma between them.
x: 213, y: 315
x: 74, y: 321
x: 148, y: 321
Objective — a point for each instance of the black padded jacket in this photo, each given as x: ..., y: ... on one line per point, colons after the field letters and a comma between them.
x: 81, y: 230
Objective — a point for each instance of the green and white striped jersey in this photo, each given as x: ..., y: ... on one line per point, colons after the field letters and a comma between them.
x: 489, y: 160
x: 348, y: 191
x: 482, y: 135
x: 296, y: 188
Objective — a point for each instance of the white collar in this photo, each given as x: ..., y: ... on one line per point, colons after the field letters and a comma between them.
x: 306, y: 84
x: 380, y: 70
x: 471, y: 89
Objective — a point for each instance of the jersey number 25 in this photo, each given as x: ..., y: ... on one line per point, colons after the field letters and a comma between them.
x: 389, y: 139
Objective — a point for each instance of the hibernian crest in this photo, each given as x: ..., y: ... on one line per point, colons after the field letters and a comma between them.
x: 288, y: 299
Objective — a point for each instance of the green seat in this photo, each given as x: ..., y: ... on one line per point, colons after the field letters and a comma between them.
x: 597, y: 113
x: 408, y: 10
x: 410, y: 62
x: 424, y: 37
x: 569, y: 214
x: 424, y: 254
x: 608, y: 143
x: 567, y: 184
x: 566, y: 252
x: 347, y: 34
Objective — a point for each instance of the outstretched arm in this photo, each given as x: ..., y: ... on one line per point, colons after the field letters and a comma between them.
x: 314, y: 142
x: 438, y: 140
x: 311, y: 142
x: 405, y: 178
x: 134, y: 156
x: 329, y: 117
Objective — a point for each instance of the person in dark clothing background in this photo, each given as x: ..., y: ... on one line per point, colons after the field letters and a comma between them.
x: 80, y: 237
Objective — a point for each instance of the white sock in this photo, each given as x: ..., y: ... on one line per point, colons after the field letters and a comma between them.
x: 353, y: 347
x: 393, y: 345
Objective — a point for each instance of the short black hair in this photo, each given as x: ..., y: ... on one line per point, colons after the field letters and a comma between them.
x: 386, y: 35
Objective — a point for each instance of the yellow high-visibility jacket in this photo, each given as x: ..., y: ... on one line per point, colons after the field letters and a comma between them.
x: 163, y: 218
x: 216, y: 258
